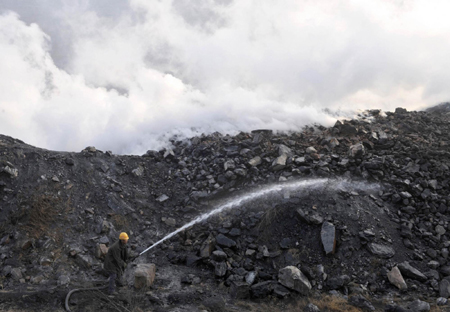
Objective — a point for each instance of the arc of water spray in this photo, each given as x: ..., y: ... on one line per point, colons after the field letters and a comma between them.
x: 311, y: 184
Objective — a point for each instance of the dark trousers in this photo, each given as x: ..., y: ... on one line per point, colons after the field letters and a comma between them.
x: 112, y: 282
x: 114, y: 279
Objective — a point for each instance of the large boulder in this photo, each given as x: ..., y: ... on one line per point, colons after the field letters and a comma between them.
x: 395, y: 278
x: 291, y: 277
x: 408, y: 271
x: 328, y: 236
x: 144, y: 276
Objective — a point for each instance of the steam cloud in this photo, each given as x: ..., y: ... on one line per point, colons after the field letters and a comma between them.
x: 126, y: 76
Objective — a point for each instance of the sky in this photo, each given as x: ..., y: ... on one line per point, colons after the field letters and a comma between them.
x: 128, y: 75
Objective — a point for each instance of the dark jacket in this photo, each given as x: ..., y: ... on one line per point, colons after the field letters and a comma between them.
x: 116, y: 258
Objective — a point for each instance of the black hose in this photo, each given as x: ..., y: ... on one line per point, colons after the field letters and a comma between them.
x: 77, y: 290
x: 87, y: 289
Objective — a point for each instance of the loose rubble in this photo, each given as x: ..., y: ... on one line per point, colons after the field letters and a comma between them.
x: 383, y: 238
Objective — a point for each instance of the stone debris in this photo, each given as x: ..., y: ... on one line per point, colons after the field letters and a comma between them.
x: 291, y: 277
x: 395, y: 278
x: 328, y: 236
x: 144, y: 275
x: 377, y: 227
x: 381, y: 251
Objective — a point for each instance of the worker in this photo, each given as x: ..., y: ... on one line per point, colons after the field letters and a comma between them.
x: 116, y: 262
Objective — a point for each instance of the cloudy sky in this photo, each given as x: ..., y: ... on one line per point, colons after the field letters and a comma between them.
x: 127, y: 75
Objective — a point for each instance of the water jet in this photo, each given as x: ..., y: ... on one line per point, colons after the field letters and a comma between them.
x: 304, y: 185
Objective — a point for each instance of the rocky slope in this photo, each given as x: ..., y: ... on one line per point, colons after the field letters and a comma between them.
x: 358, y: 211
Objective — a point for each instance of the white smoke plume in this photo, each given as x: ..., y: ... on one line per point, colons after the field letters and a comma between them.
x: 127, y: 75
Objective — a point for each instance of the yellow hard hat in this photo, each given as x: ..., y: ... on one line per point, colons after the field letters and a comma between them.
x: 123, y: 235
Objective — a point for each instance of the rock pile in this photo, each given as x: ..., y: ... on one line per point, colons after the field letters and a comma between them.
x: 60, y: 210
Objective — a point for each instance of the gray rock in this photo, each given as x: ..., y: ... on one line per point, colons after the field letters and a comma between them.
x: 100, y: 251
x: 63, y: 280
x: 250, y: 277
x: 433, y: 264
x: 169, y: 221
x: 219, y: 255
x: 169, y: 153
x: 311, y: 150
x: 264, y: 251
x: 300, y: 161
x: 250, y: 252
x: 291, y: 277
x: 229, y: 165
x: 285, y: 243
x: 311, y: 217
x: 408, y: 271
x: 281, y: 291
x: 240, y: 172
x: 138, y: 172
x: 220, y: 269
x: 16, y: 274
x: 440, y: 230
x: 444, y: 288
x: 445, y: 270
x: 335, y: 283
x: 284, y: 150
x: 207, y: 247
x: 381, y: 251
x: 239, y: 290
x: 255, y: 161
x: 235, y: 232
x: 441, y: 301
x: 13, y: 172
x: 346, y: 129
x: 44, y: 261
x: 433, y: 184
x: 262, y: 290
x: 144, y: 275
x: 70, y: 162
x: 192, y: 260
x: 104, y: 240
x: 328, y: 236
x: 405, y: 195
x: 162, y: 198
x: 419, y: 306
x: 85, y: 261
x: 279, y: 163
x: 395, y: 278
x: 356, y: 150
x: 224, y: 241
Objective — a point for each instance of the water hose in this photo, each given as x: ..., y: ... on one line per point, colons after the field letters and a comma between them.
x: 80, y: 289
x: 87, y: 289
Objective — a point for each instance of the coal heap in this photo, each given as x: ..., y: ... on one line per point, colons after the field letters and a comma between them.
x: 371, y: 232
